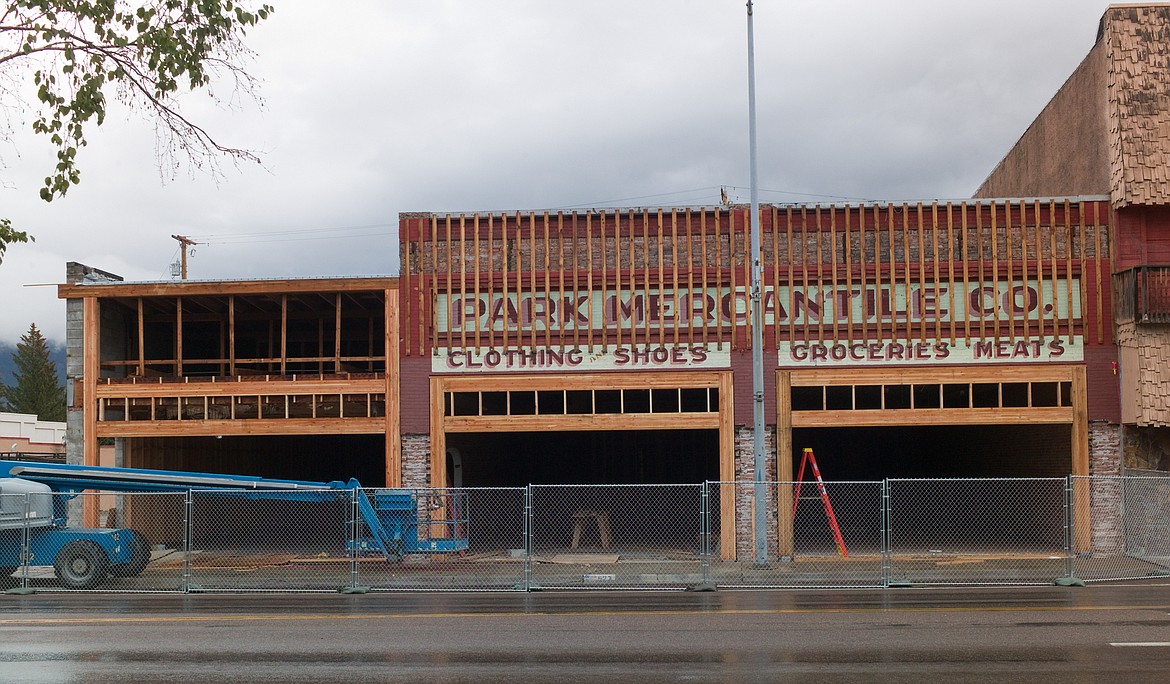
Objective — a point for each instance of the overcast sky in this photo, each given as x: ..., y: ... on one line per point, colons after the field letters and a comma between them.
x: 375, y: 107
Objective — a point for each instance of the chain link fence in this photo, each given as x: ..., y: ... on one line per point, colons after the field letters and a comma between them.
x: 988, y: 531
x: 819, y: 535
x: 1125, y: 526
x: 1018, y: 531
x: 616, y: 536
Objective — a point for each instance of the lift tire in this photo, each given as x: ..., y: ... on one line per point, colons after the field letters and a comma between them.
x: 139, y: 557
x: 81, y: 564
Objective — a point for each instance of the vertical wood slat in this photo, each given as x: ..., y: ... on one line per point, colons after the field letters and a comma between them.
x: 789, y: 278
x: 589, y: 277
x: 142, y: 339
x: 491, y: 293
x: 964, y: 246
x: 406, y: 280
x: 820, y: 272
x: 432, y: 277
x: 462, y: 284
x: 774, y: 216
x: 951, y: 267
x: 476, y: 275
x: 1067, y: 231
x: 907, y: 275
x: 803, y: 272
x: 847, y: 248
x: 981, y: 280
x: 733, y: 278
x: 631, y: 254
x: 617, y: 273
x: 450, y: 341
x: 674, y: 271
x: 577, y: 284
x: 547, y: 277
x: 504, y: 270
x: 995, y: 264
x: 910, y: 306
x: 892, y: 269
x: 561, y: 279
x: 531, y: 280
x: 283, y: 334
x: 706, y: 267
x: 661, y: 281
x: 646, y: 275
x: 1038, y: 235
x: 719, y: 280
x: 1084, y: 275
x: 1099, y: 280
x: 689, y: 316
x: 833, y: 275
x: 617, y: 269
x: 337, y: 336
x: 934, y: 240
x: 1052, y: 261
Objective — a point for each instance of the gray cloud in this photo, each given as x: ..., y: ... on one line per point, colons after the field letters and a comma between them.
x: 379, y: 107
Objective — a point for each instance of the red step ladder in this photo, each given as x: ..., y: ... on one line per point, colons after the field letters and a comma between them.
x: 810, y: 459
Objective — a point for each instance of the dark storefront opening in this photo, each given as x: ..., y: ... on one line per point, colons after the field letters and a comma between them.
x: 256, y: 525
x: 516, y: 459
x: 648, y: 519
x: 985, y: 488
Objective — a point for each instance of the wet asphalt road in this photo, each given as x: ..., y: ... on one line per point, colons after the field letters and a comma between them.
x: 1117, y: 634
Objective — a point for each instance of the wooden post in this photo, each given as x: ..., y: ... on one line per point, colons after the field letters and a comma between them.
x: 392, y: 399
x: 91, y: 350
x: 727, y: 467
x: 785, y: 530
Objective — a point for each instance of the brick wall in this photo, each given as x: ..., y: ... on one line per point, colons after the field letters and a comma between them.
x: 745, y: 495
x: 1108, y: 527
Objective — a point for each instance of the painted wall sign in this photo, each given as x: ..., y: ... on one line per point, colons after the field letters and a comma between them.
x: 1049, y: 300
x: 613, y: 357
x: 829, y: 353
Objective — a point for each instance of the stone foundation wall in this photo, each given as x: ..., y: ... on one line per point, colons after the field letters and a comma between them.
x: 416, y: 460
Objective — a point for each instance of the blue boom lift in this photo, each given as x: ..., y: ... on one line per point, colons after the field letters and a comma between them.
x: 84, y: 557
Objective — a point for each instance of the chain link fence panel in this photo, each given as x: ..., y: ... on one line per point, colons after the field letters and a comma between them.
x: 987, y: 531
x: 1123, y: 526
x: 268, y: 540
x: 826, y: 535
x: 615, y: 536
x: 478, y: 536
x: 86, y: 541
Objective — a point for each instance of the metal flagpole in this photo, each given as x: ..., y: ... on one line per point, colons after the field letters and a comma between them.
x: 757, y: 317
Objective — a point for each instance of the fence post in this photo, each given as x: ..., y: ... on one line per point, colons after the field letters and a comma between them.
x: 528, y: 538
x: 705, y: 535
x: 1070, y: 578
x: 188, y: 524
x: 886, y: 536
x: 353, y: 539
x: 25, y: 543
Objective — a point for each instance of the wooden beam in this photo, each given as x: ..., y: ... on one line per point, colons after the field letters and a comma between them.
x: 1082, y: 500
x: 583, y: 423
x: 926, y: 376
x: 393, y: 391
x: 91, y: 350
x: 242, y: 388
x: 786, y: 533
x: 238, y: 427
x: 225, y: 287
x: 438, y: 434
x: 727, y: 521
x: 965, y: 416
